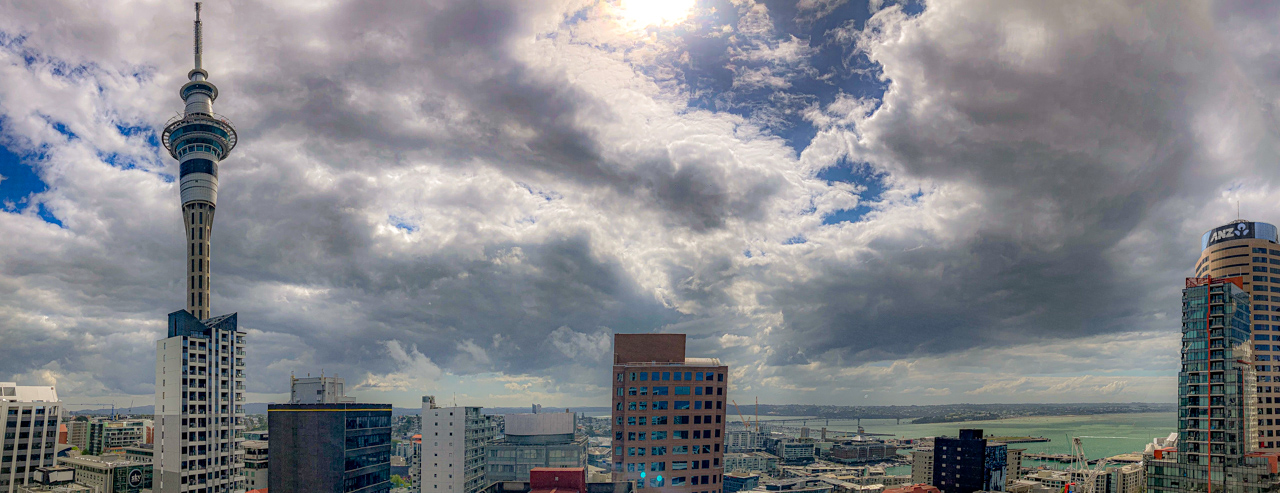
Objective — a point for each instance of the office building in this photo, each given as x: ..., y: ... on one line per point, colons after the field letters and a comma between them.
x: 453, y: 447
x: 87, y: 434
x: 530, y: 441
x: 1214, y: 450
x: 335, y: 447
x: 914, y: 488
x: 256, y: 462
x: 318, y: 390
x: 969, y: 463
x: 30, y: 430
x: 1251, y: 251
x: 668, y: 414
x: 110, y: 474
x: 558, y: 480
x: 200, y: 364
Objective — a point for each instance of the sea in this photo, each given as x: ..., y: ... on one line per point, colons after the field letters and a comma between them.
x: 1103, y: 435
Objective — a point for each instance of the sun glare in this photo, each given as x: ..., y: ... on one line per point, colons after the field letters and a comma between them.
x: 640, y: 14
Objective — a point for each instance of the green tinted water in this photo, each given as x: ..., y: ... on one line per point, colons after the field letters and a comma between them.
x: 1134, y: 431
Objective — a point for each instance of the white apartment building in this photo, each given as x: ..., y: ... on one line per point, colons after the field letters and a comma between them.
x: 199, y: 412
x: 922, y: 466
x: 453, y: 448
x: 29, y: 422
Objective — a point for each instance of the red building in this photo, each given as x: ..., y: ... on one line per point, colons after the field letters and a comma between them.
x: 668, y: 415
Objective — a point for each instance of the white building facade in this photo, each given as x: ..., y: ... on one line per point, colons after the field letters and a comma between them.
x: 453, y: 448
x: 29, y: 418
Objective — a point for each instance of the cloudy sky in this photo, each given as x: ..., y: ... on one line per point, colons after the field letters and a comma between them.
x: 847, y: 201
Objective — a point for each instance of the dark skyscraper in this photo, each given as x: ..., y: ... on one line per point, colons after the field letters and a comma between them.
x: 969, y: 463
x: 329, y: 448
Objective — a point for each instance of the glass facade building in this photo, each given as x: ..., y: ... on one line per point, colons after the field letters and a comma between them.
x: 1216, y: 396
x: 1251, y: 251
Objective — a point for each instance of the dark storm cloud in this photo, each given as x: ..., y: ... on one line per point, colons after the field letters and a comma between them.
x: 451, y: 64
x: 1068, y: 147
x: 426, y: 191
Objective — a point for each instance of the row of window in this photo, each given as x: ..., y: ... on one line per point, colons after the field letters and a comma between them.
x: 662, y: 435
x: 662, y: 420
x: 677, y: 405
x: 666, y: 375
x: 662, y: 451
x: 678, y: 390
x: 679, y: 465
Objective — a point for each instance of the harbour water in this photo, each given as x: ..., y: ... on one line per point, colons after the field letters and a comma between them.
x: 1127, y: 432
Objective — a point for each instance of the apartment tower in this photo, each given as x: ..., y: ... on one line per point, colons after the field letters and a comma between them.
x: 1251, y: 251
x: 668, y: 415
x: 200, y: 365
x: 29, y: 426
x: 454, y: 441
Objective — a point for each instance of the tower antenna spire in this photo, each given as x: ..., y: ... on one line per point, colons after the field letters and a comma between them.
x: 199, y: 36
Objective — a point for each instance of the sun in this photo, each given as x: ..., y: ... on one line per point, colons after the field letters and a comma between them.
x: 640, y: 14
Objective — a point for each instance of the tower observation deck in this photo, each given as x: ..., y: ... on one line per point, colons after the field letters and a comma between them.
x: 199, y: 139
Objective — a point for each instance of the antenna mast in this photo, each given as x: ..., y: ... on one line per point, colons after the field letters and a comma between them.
x: 198, y: 35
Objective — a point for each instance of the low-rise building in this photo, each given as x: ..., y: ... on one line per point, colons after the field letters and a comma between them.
x: 915, y: 488
x: 142, y: 453
x: 791, y: 452
x: 530, y: 441
x: 110, y: 474
x: 795, y: 485
x: 54, y: 479
x: 255, y: 464
x: 852, y: 452
x: 558, y: 480
x: 740, y: 481
x: 750, y: 462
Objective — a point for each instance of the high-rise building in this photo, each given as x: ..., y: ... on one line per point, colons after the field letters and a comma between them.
x: 453, y: 447
x: 1251, y: 251
x: 329, y: 448
x: 1216, y: 398
x: 668, y: 415
x: 531, y: 441
x: 29, y: 429
x: 969, y: 463
x: 318, y: 390
x: 200, y: 365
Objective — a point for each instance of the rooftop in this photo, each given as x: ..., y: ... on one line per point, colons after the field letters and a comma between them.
x: 12, y: 392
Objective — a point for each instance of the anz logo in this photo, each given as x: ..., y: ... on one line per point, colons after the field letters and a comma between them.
x: 1231, y: 232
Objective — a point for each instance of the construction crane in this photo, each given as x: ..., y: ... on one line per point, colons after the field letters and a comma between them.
x: 1080, y: 465
x: 112, y: 404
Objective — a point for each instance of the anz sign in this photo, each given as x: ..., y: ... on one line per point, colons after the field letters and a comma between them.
x: 1238, y: 231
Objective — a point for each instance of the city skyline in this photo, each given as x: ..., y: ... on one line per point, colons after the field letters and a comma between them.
x: 847, y: 202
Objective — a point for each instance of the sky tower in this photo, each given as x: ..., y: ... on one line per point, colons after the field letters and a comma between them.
x: 199, y: 140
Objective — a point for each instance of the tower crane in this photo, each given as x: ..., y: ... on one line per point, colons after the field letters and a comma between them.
x: 1080, y: 465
